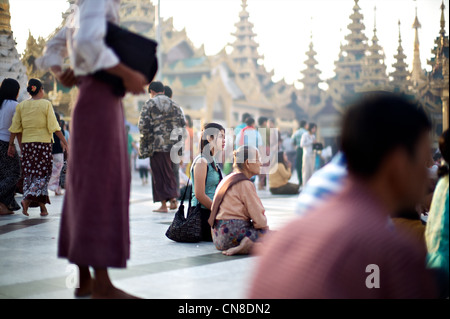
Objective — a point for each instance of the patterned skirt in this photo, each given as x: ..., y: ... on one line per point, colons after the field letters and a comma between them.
x: 37, y: 162
x: 229, y: 233
x: 9, y: 176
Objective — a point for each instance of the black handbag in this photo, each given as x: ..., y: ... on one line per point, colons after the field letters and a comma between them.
x: 133, y: 50
x: 186, y: 229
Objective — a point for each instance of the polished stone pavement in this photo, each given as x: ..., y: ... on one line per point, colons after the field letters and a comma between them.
x: 158, y: 268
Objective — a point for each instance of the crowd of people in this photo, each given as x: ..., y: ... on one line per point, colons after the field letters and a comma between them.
x: 365, y: 210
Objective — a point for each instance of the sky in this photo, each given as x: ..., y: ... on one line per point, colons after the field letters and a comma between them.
x: 283, y: 27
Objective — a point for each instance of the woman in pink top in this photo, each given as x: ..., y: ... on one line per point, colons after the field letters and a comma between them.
x: 240, y: 220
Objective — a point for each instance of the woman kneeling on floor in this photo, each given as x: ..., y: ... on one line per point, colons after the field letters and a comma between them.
x: 237, y: 214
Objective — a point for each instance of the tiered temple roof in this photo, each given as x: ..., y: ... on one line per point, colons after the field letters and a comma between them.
x: 245, y: 49
x: 311, y: 77
x: 349, y: 66
x: 374, y: 71
x: 401, y: 75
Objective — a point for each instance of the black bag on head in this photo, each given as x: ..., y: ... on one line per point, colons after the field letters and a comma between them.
x: 133, y: 50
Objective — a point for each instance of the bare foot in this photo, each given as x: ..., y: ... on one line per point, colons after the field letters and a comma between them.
x: 110, y: 293
x: 4, y: 210
x: 44, y: 211
x: 85, y: 289
x: 86, y: 283
x: 244, y: 248
x: 25, y: 205
x: 173, y: 204
x: 162, y: 209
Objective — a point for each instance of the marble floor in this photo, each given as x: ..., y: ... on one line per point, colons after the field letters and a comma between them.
x: 158, y: 268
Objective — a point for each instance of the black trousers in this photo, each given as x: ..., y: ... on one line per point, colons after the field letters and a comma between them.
x: 299, y: 165
x: 288, y: 189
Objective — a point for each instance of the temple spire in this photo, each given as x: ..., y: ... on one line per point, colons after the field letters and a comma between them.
x: 400, y: 77
x: 442, y: 32
x: 374, y: 70
x: 416, y: 73
x: 311, y: 79
x: 245, y: 49
x: 5, y: 17
x: 351, y: 60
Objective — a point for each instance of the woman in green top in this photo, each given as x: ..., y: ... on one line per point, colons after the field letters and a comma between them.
x: 205, y: 168
x: 35, y: 122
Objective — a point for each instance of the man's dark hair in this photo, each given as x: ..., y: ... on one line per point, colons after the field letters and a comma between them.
x: 156, y: 86
x: 376, y: 125
x: 303, y: 123
x: 262, y: 120
x: 168, y: 91
x: 245, y: 116
x: 250, y: 121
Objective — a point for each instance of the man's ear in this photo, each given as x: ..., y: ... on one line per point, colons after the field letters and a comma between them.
x: 395, y: 166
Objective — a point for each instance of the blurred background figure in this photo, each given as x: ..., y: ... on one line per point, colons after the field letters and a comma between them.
x: 280, y: 176
x: 160, y: 116
x: 58, y: 161
x: 143, y: 166
x: 309, y: 156
x: 9, y: 166
x: 296, y: 139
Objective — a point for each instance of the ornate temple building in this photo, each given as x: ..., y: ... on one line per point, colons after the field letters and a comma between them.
x: 10, y: 64
x: 216, y: 88
x: 222, y: 87
x: 361, y: 68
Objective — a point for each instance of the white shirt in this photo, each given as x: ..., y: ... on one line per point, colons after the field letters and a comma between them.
x: 307, y: 142
x: 6, y: 115
x: 82, y: 38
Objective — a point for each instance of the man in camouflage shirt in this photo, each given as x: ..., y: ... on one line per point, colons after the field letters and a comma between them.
x: 161, y: 125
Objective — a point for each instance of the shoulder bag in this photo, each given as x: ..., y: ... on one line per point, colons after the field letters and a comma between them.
x: 187, y: 229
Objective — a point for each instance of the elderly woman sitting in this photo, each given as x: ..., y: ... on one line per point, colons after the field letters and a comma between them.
x: 237, y: 214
